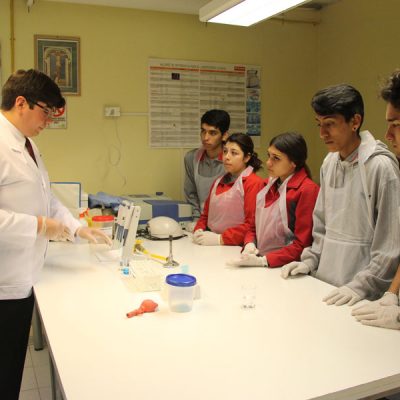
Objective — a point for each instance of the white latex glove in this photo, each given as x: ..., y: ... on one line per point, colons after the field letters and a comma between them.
x: 342, y: 295
x: 54, y: 229
x: 207, y: 238
x: 250, y: 248
x: 388, y: 299
x: 294, y: 268
x: 249, y: 260
x: 196, y: 235
x: 93, y: 235
x: 384, y: 317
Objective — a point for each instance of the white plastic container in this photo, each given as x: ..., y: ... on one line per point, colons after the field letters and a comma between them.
x: 105, y: 223
x: 181, y: 289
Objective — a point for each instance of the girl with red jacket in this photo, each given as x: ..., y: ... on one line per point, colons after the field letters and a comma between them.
x: 229, y: 209
x: 284, y: 207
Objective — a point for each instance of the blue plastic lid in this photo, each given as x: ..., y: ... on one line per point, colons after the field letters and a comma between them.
x: 182, y: 280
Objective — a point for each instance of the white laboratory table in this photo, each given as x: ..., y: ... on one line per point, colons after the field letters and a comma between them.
x: 290, y: 346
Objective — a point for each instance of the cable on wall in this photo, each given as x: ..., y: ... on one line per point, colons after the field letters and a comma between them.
x: 117, y: 148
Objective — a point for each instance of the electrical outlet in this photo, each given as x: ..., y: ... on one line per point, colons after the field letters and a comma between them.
x: 112, y: 111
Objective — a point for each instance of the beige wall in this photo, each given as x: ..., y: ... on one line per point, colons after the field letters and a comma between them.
x: 356, y: 43
x: 115, y: 46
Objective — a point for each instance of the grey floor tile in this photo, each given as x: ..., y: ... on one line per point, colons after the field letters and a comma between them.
x: 42, y: 373
x: 28, y: 359
x: 32, y: 394
x: 45, y: 393
x: 40, y: 357
x: 28, y: 379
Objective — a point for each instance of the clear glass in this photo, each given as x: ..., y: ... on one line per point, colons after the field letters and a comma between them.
x: 249, y: 291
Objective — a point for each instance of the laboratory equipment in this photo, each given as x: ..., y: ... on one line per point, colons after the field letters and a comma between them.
x: 84, y: 216
x: 170, y: 263
x: 163, y: 228
x: 143, y: 275
x: 180, y: 289
x: 124, y: 236
x: 70, y: 194
x: 160, y: 205
x: 119, y: 224
x: 132, y: 214
x: 146, y: 306
x: 105, y: 223
x: 105, y: 200
x: 140, y: 249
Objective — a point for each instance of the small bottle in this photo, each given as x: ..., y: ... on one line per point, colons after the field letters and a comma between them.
x: 83, y: 212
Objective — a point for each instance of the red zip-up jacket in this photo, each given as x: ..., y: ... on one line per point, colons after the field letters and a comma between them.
x: 301, y: 195
x: 234, y: 236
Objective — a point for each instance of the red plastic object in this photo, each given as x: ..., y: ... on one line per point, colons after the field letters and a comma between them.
x: 146, y: 306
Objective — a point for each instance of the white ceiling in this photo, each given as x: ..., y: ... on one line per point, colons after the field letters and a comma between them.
x: 176, y: 6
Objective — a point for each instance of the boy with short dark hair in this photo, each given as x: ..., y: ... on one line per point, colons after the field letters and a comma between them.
x: 385, y: 312
x: 355, y: 234
x: 204, y: 165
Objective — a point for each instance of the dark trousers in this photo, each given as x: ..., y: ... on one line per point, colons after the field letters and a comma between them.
x: 15, y: 322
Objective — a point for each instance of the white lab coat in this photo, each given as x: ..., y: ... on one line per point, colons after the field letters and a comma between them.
x: 356, y: 220
x: 24, y: 195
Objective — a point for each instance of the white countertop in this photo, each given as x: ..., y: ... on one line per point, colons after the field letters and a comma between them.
x: 290, y: 346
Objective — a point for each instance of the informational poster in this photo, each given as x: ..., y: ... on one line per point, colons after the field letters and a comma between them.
x: 180, y: 92
x: 59, y: 119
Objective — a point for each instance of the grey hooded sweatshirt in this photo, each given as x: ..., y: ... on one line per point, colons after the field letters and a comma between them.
x: 356, y: 231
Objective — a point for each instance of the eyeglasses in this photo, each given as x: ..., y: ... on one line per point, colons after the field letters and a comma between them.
x: 47, y: 110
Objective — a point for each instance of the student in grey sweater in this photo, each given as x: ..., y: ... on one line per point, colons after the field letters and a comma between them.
x: 356, y: 225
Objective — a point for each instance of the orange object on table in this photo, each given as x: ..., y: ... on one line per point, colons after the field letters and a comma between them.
x: 146, y: 306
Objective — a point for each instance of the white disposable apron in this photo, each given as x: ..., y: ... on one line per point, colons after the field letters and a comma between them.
x: 203, y: 183
x: 348, y: 218
x: 272, y: 222
x: 227, y: 209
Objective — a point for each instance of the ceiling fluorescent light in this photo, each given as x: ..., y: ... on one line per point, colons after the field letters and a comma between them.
x: 245, y: 12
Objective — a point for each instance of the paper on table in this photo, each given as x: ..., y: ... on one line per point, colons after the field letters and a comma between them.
x: 108, y: 255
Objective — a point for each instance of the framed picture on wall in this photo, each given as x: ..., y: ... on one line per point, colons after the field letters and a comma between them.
x: 59, y: 58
